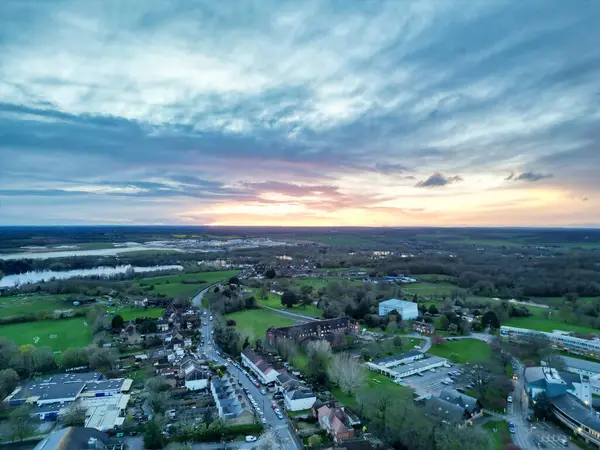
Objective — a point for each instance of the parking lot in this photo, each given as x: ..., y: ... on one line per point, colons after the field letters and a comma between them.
x: 545, y: 435
x: 432, y: 383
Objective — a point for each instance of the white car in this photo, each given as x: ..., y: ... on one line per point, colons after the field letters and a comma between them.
x: 250, y: 438
x: 263, y: 392
x: 263, y: 420
x: 509, y: 399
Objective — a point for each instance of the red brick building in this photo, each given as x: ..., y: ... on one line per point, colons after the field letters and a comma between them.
x: 319, y: 329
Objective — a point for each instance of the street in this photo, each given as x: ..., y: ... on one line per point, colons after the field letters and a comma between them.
x: 280, y: 426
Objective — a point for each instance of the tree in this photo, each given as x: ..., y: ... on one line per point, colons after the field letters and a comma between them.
x: 9, y: 380
x: 117, y: 322
x: 157, y: 384
x: 270, y: 274
x: 234, y: 280
x: 481, y: 376
x: 158, y: 401
x: 20, y: 423
x: 246, y: 343
x: 153, y: 437
x: 542, y: 407
x: 436, y: 339
x: 269, y: 441
x: 250, y: 302
x: 182, y: 301
x: 314, y: 440
x: 346, y: 372
x: 433, y: 310
x: 490, y: 319
x: 73, y: 357
x: 9, y: 351
x: 452, y: 328
x: 444, y: 323
x: 73, y: 416
x: 289, y: 299
x: 319, y: 353
x: 98, y: 358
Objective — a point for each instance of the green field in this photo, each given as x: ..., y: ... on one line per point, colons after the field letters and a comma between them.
x: 172, y: 285
x: 374, y: 381
x: 499, y: 438
x: 134, y: 313
x: 463, y: 350
x: 255, y: 322
x: 18, y: 305
x: 428, y: 289
x: 542, y: 324
x: 274, y: 301
x: 69, y: 333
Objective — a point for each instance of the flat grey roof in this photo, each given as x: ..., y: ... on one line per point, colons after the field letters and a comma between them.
x: 573, y: 408
x: 399, y: 357
x: 419, y: 364
x: 581, y: 364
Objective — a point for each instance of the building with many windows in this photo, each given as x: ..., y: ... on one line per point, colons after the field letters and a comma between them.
x: 318, y: 329
x: 561, y: 340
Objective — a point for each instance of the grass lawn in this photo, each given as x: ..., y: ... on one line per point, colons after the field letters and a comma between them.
x: 172, y: 285
x: 542, y: 324
x: 134, y: 313
x: 463, y: 350
x: 374, y: 381
x: 428, y: 289
x: 68, y: 332
x: 18, y: 305
x: 501, y: 436
x: 318, y: 283
x: 256, y: 321
x: 274, y: 301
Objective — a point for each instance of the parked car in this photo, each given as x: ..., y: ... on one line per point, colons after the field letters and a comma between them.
x: 263, y: 392
x: 250, y: 438
x: 511, y: 427
x: 278, y: 396
x: 509, y: 399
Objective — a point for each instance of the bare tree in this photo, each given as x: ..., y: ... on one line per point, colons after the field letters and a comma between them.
x: 347, y: 372
x: 158, y: 401
x: 75, y: 415
x: 481, y: 376
x: 320, y: 346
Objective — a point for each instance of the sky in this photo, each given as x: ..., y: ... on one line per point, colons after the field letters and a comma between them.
x: 325, y: 113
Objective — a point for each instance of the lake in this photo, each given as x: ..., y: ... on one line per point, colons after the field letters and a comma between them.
x: 104, y: 272
x: 67, y: 253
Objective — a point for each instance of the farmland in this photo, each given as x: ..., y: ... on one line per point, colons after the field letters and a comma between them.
x: 57, y: 334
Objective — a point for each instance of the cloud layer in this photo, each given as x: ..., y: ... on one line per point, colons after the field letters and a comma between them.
x: 322, y: 113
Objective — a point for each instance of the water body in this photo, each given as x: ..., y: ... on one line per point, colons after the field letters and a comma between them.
x: 104, y: 272
x: 67, y: 253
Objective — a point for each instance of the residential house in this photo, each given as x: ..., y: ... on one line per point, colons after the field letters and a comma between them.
x: 337, y: 421
x: 423, y: 327
x: 299, y: 399
x: 226, y: 398
x: 454, y: 408
x: 195, y: 375
x: 259, y: 366
x: 162, y: 325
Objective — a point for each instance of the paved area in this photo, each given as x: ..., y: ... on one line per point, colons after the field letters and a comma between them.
x: 431, y: 382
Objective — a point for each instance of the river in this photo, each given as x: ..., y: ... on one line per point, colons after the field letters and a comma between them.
x: 104, y: 272
x: 68, y: 253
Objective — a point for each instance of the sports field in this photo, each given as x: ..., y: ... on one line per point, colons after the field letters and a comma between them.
x: 134, y: 313
x: 57, y: 334
x: 463, y: 350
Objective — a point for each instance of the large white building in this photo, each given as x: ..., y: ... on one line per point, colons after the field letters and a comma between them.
x: 408, y: 310
x: 558, y: 339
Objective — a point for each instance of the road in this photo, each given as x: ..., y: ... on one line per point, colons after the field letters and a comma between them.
x: 280, y: 426
x: 197, y: 300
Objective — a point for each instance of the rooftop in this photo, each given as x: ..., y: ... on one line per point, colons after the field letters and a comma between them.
x: 397, y: 302
x: 419, y: 364
x: 73, y: 438
x: 399, y: 357
x: 573, y: 408
x: 581, y: 364
x: 459, y: 399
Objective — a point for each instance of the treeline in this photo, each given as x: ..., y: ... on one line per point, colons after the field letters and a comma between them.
x: 228, y: 299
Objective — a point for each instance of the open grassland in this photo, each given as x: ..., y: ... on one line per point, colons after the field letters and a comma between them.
x: 19, y: 305
x: 255, y: 322
x: 188, y: 284
x: 542, y: 324
x: 57, y: 334
x: 274, y: 301
x: 318, y: 283
x: 134, y: 313
x: 374, y: 381
x: 499, y: 434
x: 463, y: 350
x: 427, y: 289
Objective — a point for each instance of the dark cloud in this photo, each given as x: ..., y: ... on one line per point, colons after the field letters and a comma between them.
x: 530, y: 176
x: 438, y: 180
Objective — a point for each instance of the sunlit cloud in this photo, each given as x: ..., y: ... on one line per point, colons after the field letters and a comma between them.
x: 313, y: 113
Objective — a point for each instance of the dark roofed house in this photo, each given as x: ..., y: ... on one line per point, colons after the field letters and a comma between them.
x: 454, y: 407
x: 320, y: 329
